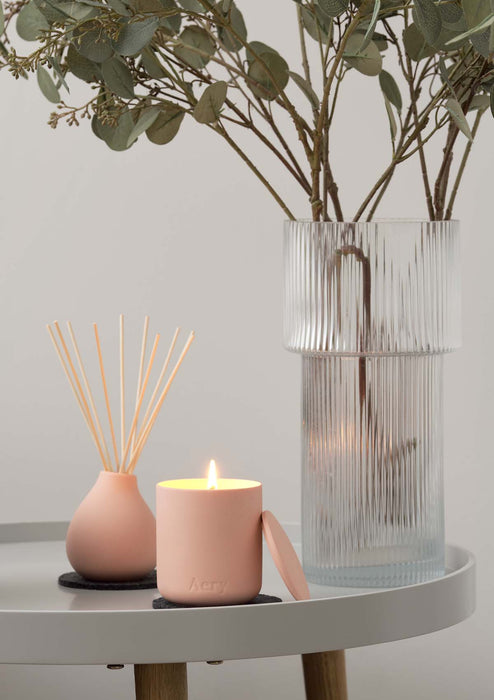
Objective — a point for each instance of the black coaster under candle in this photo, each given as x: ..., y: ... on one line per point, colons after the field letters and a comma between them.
x: 163, y: 604
x: 73, y: 580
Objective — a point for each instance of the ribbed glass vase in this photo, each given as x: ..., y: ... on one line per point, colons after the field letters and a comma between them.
x: 372, y: 307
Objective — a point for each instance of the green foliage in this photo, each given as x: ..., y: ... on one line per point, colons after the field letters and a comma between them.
x: 165, y: 127
x: 135, y: 36
x: 196, y: 47
x: 208, y: 109
x: 31, y: 22
x: 456, y: 111
x: 333, y: 8
x: 118, y: 78
x: 366, y: 59
x: 148, y: 63
x: 268, y: 75
x: 428, y: 19
x: 306, y: 88
x: 390, y: 89
x: 47, y: 86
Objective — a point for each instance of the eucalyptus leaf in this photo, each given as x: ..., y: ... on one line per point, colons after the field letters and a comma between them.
x: 381, y: 41
x: 333, y: 8
x: 268, y: 76
x: 487, y: 22
x: 30, y: 22
x: 166, y: 125
x: 392, y: 120
x: 143, y: 6
x: 454, y: 108
x: 443, y: 69
x: 79, y: 10
x: 197, y: 47
x: 317, y: 27
x: 47, y: 86
x: 390, y: 89
x: 370, y: 29
x: 191, y: 5
x: 492, y: 100
x: 120, y: 7
x: 367, y: 61
x: 428, y: 19
x: 55, y: 64
x: 118, y: 78
x: 235, y: 38
x: 306, y: 88
x: 208, y: 109
x: 475, y: 11
x: 82, y: 67
x: 152, y: 65
x: 451, y: 15
x: 94, y: 45
x: 52, y: 11
x: 134, y: 36
x: 415, y: 44
x: 2, y: 19
x: 174, y: 21
x: 256, y: 48
x: 480, y: 103
x: 146, y: 120
x: 116, y: 136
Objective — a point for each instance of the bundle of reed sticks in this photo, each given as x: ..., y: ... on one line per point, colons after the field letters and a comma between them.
x: 133, y: 440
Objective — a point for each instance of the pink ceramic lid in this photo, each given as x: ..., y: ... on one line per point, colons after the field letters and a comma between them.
x: 285, y: 557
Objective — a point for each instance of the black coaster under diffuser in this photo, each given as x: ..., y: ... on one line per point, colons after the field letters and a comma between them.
x: 73, y: 580
x: 163, y: 604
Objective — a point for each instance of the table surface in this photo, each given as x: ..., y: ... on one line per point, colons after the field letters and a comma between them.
x: 42, y: 623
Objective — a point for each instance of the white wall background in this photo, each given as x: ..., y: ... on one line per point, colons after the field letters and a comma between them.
x: 185, y: 234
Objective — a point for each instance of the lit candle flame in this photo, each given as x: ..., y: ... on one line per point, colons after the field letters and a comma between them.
x: 212, y: 478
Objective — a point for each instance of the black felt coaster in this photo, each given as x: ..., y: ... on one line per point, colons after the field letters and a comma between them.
x: 73, y: 580
x: 163, y: 604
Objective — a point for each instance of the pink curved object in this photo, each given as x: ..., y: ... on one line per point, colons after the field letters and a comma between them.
x: 285, y: 557
x: 112, y: 536
x: 209, y: 541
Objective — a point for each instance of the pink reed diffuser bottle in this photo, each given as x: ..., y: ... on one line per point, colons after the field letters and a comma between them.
x: 112, y: 536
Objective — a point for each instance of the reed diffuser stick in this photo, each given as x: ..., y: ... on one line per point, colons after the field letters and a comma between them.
x: 132, y: 443
x: 122, y: 393
x: 139, y: 404
x: 77, y: 397
x: 78, y: 384
x: 105, y: 391
x: 160, y: 379
x: 89, y: 393
x: 147, y: 428
x: 141, y: 369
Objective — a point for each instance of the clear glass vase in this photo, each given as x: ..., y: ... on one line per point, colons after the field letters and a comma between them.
x: 372, y: 307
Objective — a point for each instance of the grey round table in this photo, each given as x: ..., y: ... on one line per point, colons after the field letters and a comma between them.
x: 42, y: 623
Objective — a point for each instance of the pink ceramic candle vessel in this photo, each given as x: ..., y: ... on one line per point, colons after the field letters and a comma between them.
x: 112, y: 536
x: 209, y: 541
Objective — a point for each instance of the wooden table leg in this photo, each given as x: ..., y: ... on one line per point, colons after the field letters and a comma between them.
x: 325, y: 676
x: 161, y: 681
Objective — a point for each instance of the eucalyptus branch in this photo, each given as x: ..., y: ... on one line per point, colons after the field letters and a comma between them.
x: 248, y: 123
x: 145, y: 66
x: 316, y: 162
x: 414, y: 92
x: 303, y: 46
x: 220, y: 129
x: 461, y: 169
x: 443, y: 174
x: 282, y: 95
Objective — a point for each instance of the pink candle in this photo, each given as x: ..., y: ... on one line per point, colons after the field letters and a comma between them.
x: 209, y: 540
